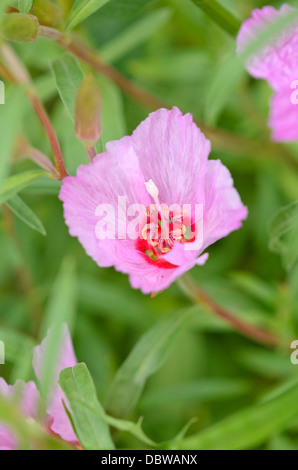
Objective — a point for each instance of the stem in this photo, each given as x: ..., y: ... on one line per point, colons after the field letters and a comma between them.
x: 16, y: 69
x: 43, y: 161
x: 220, y: 15
x: 220, y: 138
x: 21, y: 75
x: 25, y: 150
x: 192, y: 290
x: 4, y: 72
x: 42, y: 114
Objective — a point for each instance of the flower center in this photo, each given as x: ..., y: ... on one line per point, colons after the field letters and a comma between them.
x: 162, y: 229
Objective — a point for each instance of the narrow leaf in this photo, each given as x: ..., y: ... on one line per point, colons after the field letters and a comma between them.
x: 16, y: 183
x: 146, y: 358
x: 78, y: 387
x: 249, y: 428
x: 221, y: 87
x: 24, y: 213
x: 135, y: 34
x: 68, y: 75
x: 60, y: 310
x: 25, y: 5
x: 283, y: 229
x: 220, y: 15
x: 81, y: 10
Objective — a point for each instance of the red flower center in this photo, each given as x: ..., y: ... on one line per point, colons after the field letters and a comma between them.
x: 162, y: 229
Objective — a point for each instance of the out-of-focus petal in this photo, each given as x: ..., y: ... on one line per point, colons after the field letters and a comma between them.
x: 224, y: 211
x: 277, y: 60
x: 58, y: 420
x: 28, y: 397
x: 7, y: 439
x: 284, y: 116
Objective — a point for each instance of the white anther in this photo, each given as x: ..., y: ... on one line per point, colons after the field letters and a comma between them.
x: 152, y: 189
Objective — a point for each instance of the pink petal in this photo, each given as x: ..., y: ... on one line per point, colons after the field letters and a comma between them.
x: 224, y: 211
x: 29, y: 398
x: 150, y: 278
x: 173, y: 152
x: 202, y: 259
x: 112, y: 174
x: 278, y: 60
x: 58, y: 420
x: 29, y: 395
x: 5, y: 389
x: 284, y: 116
x: 7, y: 440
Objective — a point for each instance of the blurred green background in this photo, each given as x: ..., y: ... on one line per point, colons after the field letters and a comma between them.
x: 173, y: 49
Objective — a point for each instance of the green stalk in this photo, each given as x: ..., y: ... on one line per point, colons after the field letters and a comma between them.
x: 220, y: 15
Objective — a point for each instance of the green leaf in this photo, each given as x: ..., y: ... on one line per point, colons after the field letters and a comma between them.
x: 81, y: 10
x: 220, y: 15
x: 135, y: 34
x: 79, y: 389
x: 146, y: 358
x: 249, y: 428
x: 283, y: 229
x: 60, y: 311
x: 18, y: 350
x: 16, y: 183
x: 135, y: 429
x: 3, y: 5
x: 14, y: 342
x: 112, y: 112
x: 25, y: 5
x: 94, y: 407
x: 68, y: 75
x: 221, y: 87
x: 24, y: 213
x: 203, y: 390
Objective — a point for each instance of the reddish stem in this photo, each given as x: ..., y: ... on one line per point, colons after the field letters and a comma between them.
x: 42, y: 114
x: 199, y: 296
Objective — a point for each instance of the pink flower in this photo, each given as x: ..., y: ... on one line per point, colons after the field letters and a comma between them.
x: 165, y: 161
x: 276, y: 62
x: 57, y: 420
x: 29, y: 404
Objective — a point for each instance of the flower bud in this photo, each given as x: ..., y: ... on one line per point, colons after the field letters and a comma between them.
x: 87, y: 112
x: 19, y: 27
x: 48, y: 13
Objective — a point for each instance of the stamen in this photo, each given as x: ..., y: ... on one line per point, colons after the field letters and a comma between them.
x: 151, y: 229
x: 152, y: 190
x: 164, y: 227
x: 154, y: 193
